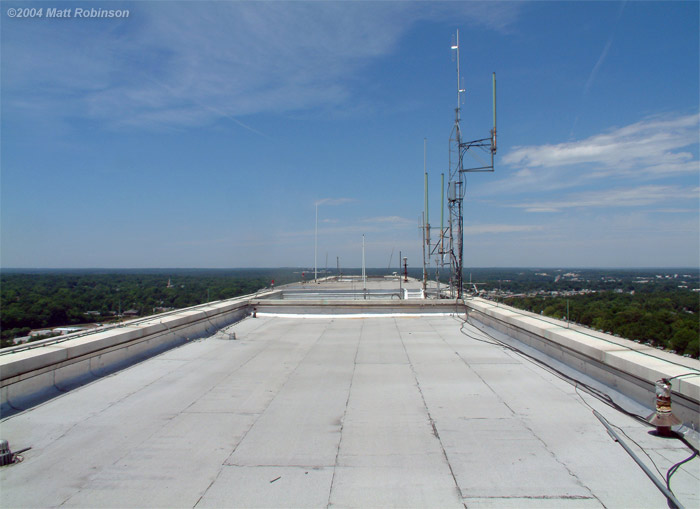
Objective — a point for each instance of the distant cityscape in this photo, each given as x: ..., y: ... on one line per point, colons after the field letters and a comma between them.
x: 684, y: 281
x: 658, y: 307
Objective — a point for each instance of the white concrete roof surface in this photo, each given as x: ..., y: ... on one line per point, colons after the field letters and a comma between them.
x: 341, y: 412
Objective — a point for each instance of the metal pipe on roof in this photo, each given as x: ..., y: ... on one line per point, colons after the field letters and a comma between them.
x: 662, y: 487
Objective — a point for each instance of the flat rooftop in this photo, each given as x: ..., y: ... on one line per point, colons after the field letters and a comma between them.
x: 414, y: 411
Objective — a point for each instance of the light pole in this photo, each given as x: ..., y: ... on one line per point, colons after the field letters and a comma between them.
x: 316, y: 247
x: 364, y: 274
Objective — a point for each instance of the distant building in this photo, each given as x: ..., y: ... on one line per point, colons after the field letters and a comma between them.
x: 67, y: 330
x: 43, y: 332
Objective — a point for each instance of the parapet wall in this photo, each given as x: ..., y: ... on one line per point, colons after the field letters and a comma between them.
x: 628, y: 367
x: 30, y: 374
x: 370, y: 307
x: 33, y: 373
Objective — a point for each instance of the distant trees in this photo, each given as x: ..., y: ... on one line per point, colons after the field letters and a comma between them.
x: 659, y: 312
x: 42, y: 300
x: 662, y: 318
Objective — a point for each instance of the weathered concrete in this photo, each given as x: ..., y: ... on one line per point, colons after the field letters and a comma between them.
x: 33, y: 373
x: 370, y: 412
x: 628, y: 367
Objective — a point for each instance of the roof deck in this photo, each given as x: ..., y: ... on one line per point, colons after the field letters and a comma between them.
x: 343, y: 411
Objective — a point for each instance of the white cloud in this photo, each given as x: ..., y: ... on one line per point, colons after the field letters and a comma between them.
x: 596, y: 67
x: 650, y: 148
x: 182, y: 64
x: 622, y: 197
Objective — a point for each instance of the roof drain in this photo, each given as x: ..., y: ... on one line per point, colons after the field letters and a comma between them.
x: 7, y: 457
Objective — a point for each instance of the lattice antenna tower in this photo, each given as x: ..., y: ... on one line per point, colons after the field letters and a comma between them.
x: 456, y: 186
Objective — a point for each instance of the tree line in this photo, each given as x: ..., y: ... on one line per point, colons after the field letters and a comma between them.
x: 43, y: 300
x: 667, y: 319
x: 657, y: 312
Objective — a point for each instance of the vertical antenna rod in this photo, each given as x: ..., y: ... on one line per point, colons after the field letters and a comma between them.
x: 364, y: 275
x: 457, y: 181
x: 399, y: 274
x: 426, y: 220
x: 425, y: 172
x: 455, y: 46
x: 441, y: 250
x: 316, y: 246
x: 442, y: 215
x: 423, y: 235
x: 493, y: 133
x: 457, y: 184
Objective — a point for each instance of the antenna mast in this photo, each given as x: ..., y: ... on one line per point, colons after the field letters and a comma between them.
x: 364, y: 274
x: 426, y: 222
x: 456, y: 185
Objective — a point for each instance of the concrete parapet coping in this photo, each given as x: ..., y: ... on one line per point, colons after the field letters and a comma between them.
x: 640, y: 361
x: 371, y: 306
x: 32, y: 369
x: 353, y: 316
x: 24, y: 366
x: 60, y: 362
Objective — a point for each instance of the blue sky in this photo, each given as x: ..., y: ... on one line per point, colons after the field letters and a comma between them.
x: 202, y: 134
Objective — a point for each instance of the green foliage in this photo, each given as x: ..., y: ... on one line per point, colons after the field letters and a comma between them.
x: 659, y: 312
x: 9, y: 335
x: 666, y: 318
x: 54, y: 298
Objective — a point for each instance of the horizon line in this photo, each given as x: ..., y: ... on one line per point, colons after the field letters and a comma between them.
x: 529, y: 267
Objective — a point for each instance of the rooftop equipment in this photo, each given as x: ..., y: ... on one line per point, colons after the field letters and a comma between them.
x: 457, y: 183
x: 663, y: 418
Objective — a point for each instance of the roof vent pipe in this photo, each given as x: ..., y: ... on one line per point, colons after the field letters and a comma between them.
x: 5, y: 453
x: 7, y: 457
x: 663, y: 418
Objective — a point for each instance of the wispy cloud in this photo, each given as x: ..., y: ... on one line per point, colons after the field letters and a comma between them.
x: 652, y: 148
x: 626, y: 197
x: 603, y: 54
x: 194, y: 63
x: 596, y: 67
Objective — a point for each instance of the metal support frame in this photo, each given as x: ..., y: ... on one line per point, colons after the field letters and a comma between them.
x: 457, y: 183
